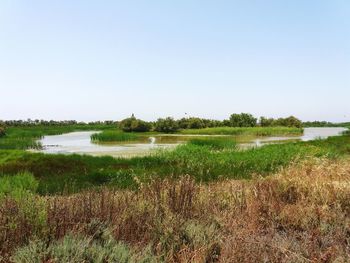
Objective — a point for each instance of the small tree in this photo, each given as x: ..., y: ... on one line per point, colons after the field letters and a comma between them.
x: 266, y: 122
x: 2, y: 131
x: 166, y: 125
x: 134, y: 125
x: 242, y: 120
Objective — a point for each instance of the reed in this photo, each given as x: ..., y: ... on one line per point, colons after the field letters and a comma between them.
x: 114, y: 136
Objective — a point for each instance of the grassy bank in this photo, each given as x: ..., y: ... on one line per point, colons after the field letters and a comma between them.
x: 26, y: 137
x: 300, y: 214
x: 255, y: 131
x: 204, y: 160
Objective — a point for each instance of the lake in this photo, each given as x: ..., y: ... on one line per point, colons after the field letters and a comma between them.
x: 80, y: 143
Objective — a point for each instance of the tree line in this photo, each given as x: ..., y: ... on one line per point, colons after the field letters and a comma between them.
x: 168, y: 124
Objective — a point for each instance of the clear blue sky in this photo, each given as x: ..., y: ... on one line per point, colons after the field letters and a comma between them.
x: 91, y: 60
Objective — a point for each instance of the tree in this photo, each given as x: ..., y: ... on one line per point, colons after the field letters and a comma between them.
x: 134, y: 125
x: 292, y: 121
x: 242, y: 120
x: 166, y: 125
x: 266, y: 122
x: 2, y: 130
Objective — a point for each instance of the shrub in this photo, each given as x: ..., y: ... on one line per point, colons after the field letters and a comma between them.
x: 80, y: 249
x: 166, y: 125
x: 134, y: 125
x: 242, y: 120
x: 2, y: 131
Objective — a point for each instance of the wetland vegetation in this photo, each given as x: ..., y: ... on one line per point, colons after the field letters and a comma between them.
x: 206, y: 200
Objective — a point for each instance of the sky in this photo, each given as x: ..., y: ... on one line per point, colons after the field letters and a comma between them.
x: 104, y: 60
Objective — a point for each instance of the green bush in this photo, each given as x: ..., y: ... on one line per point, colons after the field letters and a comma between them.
x: 166, y: 125
x: 134, y: 125
x: 243, y: 120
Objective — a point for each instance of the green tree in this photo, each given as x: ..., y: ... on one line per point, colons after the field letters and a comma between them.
x: 166, y: 125
x: 266, y: 122
x: 2, y: 129
x: 134, y: 125
x: 242, y: 120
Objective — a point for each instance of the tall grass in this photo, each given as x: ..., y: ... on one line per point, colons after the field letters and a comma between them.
x: 254, y: 131
x: 301, y: 214
x: 114, y: 136
x: 214, y: 143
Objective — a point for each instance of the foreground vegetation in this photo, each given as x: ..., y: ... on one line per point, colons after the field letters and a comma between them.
x: 300, y: 214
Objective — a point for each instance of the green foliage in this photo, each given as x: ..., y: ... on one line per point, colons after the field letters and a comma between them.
x: 26, y: 137
x: 290, y: 121
x: 166, y: 125
x: 113, y: 136
x: 17, y: 185
x: 2, y: 131
x: 243, y: 120
x: 215, y: 143
x: 254, y: 131
x: 134, y: 125
x: 193, y: 123
x: 21, y: 189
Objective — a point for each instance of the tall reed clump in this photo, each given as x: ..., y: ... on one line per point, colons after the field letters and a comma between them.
x: 113, y: 136
x: 215, y: 143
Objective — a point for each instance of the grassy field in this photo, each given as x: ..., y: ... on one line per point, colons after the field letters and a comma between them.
x: 205, y: 201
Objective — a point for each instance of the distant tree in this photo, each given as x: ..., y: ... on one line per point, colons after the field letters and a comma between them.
x: 2, y: 129
x: 292, y: 121
x: 266, y: 122
x: 166, y: 125
x: 134, y: 125
x: 286, y: 122
x: 226, y: 123
x: 242, y: 120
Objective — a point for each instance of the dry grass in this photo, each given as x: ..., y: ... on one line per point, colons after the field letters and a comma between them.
x: 298, y: 215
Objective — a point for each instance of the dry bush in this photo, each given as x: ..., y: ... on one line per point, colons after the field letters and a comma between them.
x: 298, y: 215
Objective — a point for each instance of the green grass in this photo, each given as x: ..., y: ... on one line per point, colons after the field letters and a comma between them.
x: 214, y: 143
x: 114, y: 136
x: 255, y: 131
x: 26, y: 137
x: 72, y: 173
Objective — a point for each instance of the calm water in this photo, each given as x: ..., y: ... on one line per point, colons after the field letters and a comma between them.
x: 79, y: 142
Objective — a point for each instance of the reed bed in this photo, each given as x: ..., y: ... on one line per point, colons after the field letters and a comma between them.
x: 114, y: 136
